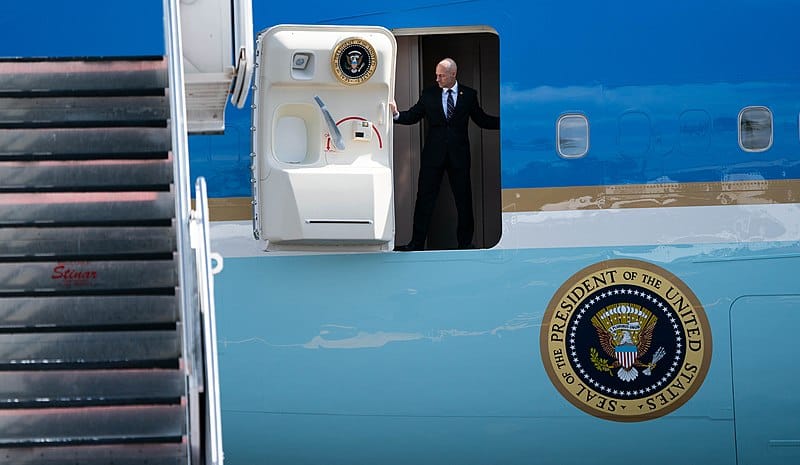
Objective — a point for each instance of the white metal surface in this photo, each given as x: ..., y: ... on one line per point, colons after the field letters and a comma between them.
x: 217, y: 59
x: 243, y: 44
x: 338, y: 191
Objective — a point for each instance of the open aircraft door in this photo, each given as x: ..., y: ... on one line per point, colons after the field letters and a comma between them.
x: 322, y: 137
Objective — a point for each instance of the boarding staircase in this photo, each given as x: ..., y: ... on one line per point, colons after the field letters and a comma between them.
x: 101, y: 354
x: 91, y: 347
x: 107, y: 331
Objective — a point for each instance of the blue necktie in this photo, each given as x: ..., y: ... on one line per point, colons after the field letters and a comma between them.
x: 451, y: 107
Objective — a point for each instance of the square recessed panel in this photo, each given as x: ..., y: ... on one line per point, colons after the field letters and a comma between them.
x: 695, y: 129
x: 635, y: 133
x: 765, y: 350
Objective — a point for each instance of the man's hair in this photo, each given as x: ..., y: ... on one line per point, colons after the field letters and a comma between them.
x: 449, y: 64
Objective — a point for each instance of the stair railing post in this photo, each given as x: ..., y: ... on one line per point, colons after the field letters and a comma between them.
x: 186, y: 276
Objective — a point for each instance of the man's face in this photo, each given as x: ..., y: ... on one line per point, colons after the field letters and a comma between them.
x: 445, y: 78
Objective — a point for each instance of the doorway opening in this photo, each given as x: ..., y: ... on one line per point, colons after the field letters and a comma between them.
x: 476, y: 50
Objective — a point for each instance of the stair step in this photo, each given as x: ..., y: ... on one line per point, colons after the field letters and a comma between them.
x: 25, y: 389
x: 85, y: 174
x: 87, y: 277
x: 84, y: 111
x: 88, y: 350
x: 93, y: 207
x: 66, y: 141
x: 86, y: 311
x: 90, y: 75
x: 92, y: 425
x: 122, y: 454
x: 43, y: 242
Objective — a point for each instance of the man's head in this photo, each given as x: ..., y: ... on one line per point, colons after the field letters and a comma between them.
x: 446, y: 73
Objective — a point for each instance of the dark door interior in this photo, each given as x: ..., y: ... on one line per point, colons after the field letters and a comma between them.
x: 477, y: 56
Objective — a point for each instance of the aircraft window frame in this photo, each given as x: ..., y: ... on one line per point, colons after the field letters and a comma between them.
x: 585, y: 123
x: 771, y: 119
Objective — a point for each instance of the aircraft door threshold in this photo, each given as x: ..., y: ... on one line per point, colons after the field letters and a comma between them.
x: 324, y: 177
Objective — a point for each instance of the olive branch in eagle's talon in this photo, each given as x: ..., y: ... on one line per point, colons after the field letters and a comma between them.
x: 600, y: 363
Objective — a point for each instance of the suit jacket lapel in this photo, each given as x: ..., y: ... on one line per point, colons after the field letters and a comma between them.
x: 460, y: 99
x: 439, y: 104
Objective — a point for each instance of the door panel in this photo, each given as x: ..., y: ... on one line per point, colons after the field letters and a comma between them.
x: 323, y: 162
x: 764, y: 351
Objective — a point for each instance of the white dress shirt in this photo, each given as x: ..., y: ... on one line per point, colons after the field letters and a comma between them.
x: 444, y: 97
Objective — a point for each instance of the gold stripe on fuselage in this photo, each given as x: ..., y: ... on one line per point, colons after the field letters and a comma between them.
x: 230, y: 208
x: 598, y: 197
x: 651, y: 195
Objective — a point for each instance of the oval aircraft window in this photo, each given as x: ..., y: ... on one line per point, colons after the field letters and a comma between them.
x: 572, y: 134
x: 755, y: 129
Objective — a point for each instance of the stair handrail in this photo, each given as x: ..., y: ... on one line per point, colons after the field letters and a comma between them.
x: 201, y: 242
x: 189, y: 297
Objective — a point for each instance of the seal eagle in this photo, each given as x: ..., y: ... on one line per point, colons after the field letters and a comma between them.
x: 625, y: 334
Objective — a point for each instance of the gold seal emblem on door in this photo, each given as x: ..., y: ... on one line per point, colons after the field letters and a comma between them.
x: 625, y: 340
x: 354, y: 61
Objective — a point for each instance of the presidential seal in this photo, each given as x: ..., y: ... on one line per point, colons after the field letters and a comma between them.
x: 625, y: 340
x: 354, y: 61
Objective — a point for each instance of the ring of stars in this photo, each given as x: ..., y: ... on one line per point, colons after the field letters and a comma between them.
x: 658, y: 303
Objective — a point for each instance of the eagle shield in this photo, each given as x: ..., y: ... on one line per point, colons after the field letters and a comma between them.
x: 625, y: 332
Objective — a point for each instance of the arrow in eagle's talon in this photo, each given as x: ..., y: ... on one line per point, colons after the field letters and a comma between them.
x: 656, y: 357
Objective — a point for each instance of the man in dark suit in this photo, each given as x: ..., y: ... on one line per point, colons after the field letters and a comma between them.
x: 447, y: 110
